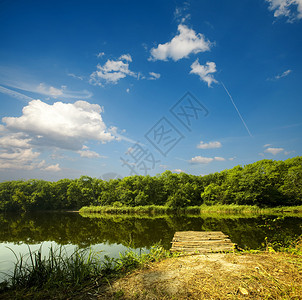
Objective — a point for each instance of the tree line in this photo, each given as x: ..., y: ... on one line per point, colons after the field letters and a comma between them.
x: 263, y: 183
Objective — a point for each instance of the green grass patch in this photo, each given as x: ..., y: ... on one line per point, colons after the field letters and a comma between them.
x: 194, y: 210
x: 60, y: 272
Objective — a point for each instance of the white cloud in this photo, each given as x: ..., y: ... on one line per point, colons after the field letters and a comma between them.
x: 274, y: 151
x: 113, y: 130
x: 128, y: 90
x: 16, y: 79
x: 201, y: 160
x: 154, y: 76
x: 44, y: 89
x: 126, y: 57
x: 14, y: 140
x: 75, y: 76
x: 53, y: 168
x: 89, y: 154
x: 209, y: 145
x: 291, y: 9
x: 15, y: 94
x: 205, y: 160
x: 204, y: 71
x: 284, y: 74
x: 288, y: 152
x: 16, y: 152
x: 140, y: 76
x: 119, y: 137
x: 180, y: 13
x: 18, y: 159
x: 218, y: 158
x: 61, y: 125
x: 100, y: 54
x: 28, y: 154
x: 50, y: 91
x: 178, y: 171
x: 55, y: 155
x: 163, y: 166
x: 112, y: 71
x: 279, y: 76
x: 181, y: 46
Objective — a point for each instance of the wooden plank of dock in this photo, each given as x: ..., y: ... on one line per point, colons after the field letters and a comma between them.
x: 190, y: 242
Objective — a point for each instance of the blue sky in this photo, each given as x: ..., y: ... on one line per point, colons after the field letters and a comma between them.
x: 140, y: 87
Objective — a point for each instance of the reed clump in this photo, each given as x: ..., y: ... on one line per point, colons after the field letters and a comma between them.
x: 59, y: 272
x: 197, y: 210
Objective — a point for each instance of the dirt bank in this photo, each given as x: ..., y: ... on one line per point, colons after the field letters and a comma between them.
x: 213, y: 276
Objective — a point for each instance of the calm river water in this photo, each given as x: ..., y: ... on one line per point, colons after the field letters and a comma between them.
x: 114, y: 234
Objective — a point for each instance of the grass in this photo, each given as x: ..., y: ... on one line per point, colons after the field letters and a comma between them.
x: 58, y: 273
x: 148, y: 209
x: 292, y: 246
x: 262, y: 276
x: 55, y: 270
x: 245, y: 275
x: 216, y: 215
x: 83, y: 275
x: 205, y: 214
x: 197, y: 210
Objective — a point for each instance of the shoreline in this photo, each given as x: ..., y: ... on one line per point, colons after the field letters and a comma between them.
x: 194, y: 210
x: 247, y: 275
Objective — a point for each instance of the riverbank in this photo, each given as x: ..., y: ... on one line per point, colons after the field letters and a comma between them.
x: 196, y: 210
x: 266, y: 274
x: 213, y: 276
x: 60, y: 275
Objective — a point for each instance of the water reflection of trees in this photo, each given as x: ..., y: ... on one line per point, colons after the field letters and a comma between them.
x: 66, y: 228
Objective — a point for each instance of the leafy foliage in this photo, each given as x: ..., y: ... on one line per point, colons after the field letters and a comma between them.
x: 263, y: 183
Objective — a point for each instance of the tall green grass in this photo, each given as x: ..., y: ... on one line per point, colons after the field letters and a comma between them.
x: 148, y: 209
x: 56, y: 268
x: 219, y: 208
x: 59, y: 270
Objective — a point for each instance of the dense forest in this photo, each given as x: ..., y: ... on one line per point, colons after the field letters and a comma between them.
x: 263, y: 183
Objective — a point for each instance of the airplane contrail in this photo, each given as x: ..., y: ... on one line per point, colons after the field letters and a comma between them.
x: 236, y: 109
x: 15, y: 94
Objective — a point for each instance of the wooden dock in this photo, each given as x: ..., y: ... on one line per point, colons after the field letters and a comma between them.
x: 191, y: 242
